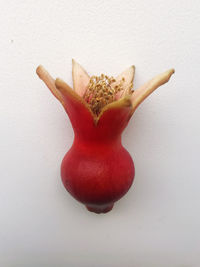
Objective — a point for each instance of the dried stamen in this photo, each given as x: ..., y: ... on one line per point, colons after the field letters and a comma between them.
x: 101, y: 92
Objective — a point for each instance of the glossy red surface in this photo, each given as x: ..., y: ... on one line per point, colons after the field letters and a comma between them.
x: 97, y: 170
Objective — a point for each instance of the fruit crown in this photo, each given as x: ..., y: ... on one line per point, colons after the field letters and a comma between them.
x: 101, y: 93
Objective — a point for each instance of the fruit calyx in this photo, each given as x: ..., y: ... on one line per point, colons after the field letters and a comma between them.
x: 98, y: 94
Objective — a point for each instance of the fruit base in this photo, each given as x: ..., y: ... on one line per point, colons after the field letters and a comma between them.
x: 100, y: 209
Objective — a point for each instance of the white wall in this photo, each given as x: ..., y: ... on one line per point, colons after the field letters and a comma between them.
x: 157, y: 223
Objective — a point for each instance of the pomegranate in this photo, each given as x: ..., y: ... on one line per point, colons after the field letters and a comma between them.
x: 98, y: 170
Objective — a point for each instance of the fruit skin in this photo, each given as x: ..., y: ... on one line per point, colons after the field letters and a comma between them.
x: 97, y: 170
x: 97, y: 174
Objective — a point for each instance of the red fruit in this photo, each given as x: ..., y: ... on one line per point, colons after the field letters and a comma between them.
x: 98, y: 170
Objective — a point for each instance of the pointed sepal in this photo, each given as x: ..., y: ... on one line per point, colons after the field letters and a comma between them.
x: 49, y: 81
x: 80, y: 78
x: 127, y: 78
x: 145, y: 90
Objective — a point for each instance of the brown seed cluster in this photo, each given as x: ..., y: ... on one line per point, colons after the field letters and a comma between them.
x: 102, y: 91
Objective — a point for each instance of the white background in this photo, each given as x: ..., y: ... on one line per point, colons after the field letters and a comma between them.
x: 157, y: 223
